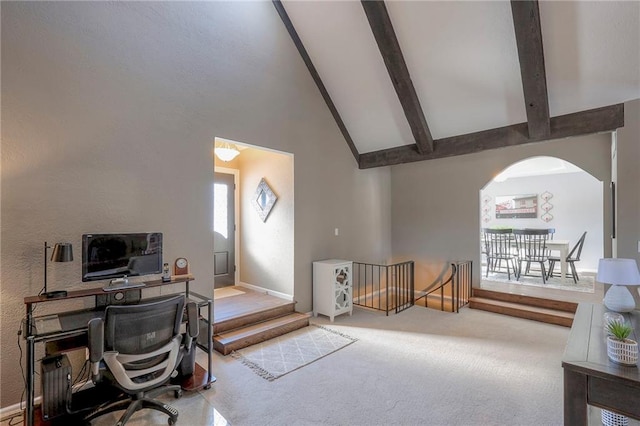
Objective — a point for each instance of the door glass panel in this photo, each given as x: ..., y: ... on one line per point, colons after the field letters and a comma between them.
x: 220, y: 209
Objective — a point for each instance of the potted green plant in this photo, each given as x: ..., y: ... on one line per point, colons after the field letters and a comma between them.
x: 620, y: 348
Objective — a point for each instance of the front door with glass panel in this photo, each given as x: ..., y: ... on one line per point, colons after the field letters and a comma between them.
x: 224, y: 230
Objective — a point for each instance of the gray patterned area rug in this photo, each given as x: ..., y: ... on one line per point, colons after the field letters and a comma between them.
x: 584, y: 285
x: 279, y: 356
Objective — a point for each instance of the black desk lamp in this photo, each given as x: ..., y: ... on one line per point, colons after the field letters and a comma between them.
x: 62, y: 252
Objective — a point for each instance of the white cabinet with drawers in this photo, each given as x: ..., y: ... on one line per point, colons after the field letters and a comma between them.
x: 332, y: 287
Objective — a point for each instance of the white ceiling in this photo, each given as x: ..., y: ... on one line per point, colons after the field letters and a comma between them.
x: 537, y: 166
x: 463, y: 60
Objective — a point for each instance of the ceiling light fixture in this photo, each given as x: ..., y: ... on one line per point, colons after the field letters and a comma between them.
x: 226, y: 151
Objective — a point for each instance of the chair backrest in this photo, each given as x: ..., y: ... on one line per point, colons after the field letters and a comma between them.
x: 532, y: 243
x: 142, y: 328
x: 141, y: 345
x: 552, y: 232
x: 498, y: 241
x: 578, y: 248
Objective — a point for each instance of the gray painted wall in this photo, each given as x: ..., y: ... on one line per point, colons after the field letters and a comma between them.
x: 628, y: 186
x: 437, y: 220
x: 109, y: 111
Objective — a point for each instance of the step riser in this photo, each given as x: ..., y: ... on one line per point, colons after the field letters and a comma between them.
x: 514, y: 312
x: 527, y: 300
x: 226, y: 349
x: 253, y: 318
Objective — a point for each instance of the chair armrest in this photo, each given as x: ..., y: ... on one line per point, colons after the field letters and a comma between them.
x: 96, y: 346
x: 193, y: 327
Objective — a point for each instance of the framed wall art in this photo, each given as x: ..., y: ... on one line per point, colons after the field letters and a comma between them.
x: 263, y: 200
x: 517, y: 206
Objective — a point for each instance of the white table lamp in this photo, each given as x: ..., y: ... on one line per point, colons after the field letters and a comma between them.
x: 619, y: 273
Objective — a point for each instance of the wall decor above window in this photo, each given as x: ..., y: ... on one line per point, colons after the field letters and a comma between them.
x: 546, y: 206
x: 263, y: 200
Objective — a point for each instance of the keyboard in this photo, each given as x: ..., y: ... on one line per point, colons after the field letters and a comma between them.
x: 48, y: 324
x: 122, y: 286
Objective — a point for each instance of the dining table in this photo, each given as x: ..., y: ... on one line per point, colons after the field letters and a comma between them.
x: 563, y: 247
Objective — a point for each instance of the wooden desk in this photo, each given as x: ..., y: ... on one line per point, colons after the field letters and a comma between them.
x: 590, y: 377
x: 78, y: 330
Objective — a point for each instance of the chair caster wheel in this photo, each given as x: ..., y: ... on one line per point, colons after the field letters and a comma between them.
x: 172, y: 421
x: 177, y: 394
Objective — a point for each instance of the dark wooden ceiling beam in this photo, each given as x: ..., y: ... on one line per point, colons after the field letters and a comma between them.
x: 526, y: 23
x: 385, y: 36
x: 316, y: 77
x: 597, y: 120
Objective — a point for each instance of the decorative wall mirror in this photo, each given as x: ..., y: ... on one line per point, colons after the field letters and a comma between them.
x: 263, y: 200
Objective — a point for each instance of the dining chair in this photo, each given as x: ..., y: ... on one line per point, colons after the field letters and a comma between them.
x: 498, y: 247
x: 532, y: 248
x: 572, y: 258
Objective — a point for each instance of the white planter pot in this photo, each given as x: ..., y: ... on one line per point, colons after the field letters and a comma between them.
x: 610, y: 418
x: 625, y: 353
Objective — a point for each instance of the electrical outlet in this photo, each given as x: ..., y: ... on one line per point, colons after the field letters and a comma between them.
x: 638, y: 246
x: 336, y: 232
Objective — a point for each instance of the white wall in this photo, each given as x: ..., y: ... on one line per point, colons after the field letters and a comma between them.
x: 577, y: 207
x: 109, y: 112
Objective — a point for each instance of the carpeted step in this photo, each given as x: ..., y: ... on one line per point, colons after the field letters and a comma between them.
x: 551, y: 316
x: 255, y: 316
x: 239, y: 338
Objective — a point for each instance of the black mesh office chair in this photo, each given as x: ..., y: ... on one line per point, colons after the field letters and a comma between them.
x: 137, y: 348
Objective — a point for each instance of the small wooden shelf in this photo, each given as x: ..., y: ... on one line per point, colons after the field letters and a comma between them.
x: 199, y: 380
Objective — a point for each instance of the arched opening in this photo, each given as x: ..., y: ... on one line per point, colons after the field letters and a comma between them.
x: 544, y: 193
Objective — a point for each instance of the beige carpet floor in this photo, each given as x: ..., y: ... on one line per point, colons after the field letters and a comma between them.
x: 419, y: 367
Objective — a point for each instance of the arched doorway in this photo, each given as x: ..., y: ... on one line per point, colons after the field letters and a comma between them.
x: 546, y: 193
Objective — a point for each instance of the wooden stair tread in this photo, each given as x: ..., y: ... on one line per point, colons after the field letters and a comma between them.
x: 557, y: 305
x: 522, y: 307
x: 536, y: 313
x: 251, y: 330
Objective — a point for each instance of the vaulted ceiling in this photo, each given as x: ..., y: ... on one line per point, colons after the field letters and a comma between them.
x: 417, y: 80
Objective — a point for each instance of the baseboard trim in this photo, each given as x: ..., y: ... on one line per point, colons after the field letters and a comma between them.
x: 267, y: 291
x: 13, y: 410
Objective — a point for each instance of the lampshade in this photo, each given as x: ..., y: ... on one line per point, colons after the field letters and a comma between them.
x: 619, y: 273
x: 226, y: 151
x: 62, y: 252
